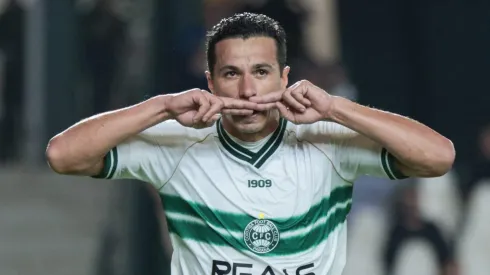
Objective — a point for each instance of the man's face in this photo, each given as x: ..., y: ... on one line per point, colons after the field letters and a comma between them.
x: 246, y: 68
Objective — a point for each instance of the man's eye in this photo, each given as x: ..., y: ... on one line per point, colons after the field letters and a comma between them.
x: 262, y: 72
x: 230, y: 74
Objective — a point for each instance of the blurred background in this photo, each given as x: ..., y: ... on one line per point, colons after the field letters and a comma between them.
x: 64, y: 60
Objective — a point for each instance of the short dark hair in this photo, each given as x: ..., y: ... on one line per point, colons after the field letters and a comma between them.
x: 246, y: 25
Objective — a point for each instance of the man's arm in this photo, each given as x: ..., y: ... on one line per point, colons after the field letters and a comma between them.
x: 80, y: 149
x: 419, y: 151
x: 413, y: 148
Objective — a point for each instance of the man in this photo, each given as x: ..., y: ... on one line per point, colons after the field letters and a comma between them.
x: 265, y: 187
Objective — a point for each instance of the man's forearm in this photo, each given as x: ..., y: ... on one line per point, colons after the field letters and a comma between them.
x: 417, y: 147
x: 84, y: 144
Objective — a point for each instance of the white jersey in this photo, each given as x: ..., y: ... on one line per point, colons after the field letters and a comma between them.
x: 280, y: 209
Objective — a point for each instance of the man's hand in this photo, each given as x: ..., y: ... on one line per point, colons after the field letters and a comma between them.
x: 301, y: 103
x: 199, y: 109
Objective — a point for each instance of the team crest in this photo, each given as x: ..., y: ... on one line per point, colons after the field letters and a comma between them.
x: 261, y: 236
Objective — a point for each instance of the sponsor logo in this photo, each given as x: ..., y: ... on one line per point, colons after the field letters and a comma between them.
x: 229, y: 268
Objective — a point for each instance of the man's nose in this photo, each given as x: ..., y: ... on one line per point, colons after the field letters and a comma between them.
x: 247, y: 86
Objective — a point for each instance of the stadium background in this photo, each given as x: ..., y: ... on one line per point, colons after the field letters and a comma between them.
x: 63, y: 60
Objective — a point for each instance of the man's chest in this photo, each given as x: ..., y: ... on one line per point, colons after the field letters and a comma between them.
x: 212, y: 198
x: 286, y: 185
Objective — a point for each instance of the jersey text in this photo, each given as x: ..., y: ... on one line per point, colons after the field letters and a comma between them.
x: 259, y: 183
x: 226, y: 268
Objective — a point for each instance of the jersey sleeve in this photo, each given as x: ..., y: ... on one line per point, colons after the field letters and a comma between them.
x: 151, y: 156
x: 353, y: 154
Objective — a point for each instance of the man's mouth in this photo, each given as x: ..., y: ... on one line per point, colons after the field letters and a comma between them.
x: 252, y: 115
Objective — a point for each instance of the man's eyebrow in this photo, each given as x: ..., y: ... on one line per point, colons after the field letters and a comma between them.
x: 263, y: 65
x: 256, y: 66
x: 228, y: 67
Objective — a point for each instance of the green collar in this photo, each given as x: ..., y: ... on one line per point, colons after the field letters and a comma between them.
x: 256, y: 159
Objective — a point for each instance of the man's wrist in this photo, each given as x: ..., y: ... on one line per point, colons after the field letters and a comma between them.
x: 159, y: 107
x: 339, y: 107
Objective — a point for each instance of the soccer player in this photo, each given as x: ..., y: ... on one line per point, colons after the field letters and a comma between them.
x: 256, y: 176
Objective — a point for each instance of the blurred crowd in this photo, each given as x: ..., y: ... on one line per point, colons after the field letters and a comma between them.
x: 432, y: 226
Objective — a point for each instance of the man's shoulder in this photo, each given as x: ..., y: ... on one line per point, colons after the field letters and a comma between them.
x: 320, y: 131
x: 171, y: 130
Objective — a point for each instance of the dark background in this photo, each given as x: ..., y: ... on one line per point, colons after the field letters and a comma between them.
x: 62, y: 61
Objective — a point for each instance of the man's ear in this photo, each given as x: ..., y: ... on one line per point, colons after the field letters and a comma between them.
x: 285, y: 77
x: 209, y: 78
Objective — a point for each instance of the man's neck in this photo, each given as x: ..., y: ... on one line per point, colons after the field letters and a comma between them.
x: 269, y: 128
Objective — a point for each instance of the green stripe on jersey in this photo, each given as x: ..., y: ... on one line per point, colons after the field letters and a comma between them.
x: 110, y: 165
x: 200, y: 223
x: 289, y: 244
x: 236, y: 222
x: 388, y: 162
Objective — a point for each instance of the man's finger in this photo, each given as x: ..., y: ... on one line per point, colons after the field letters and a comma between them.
x: 214, y: 118
x: 215, y: 108
x: 292, y: 102
x: 239, y: 112
x: 203, y: 104
x: 265, y: 106
x: 267, y: 98
x: 284, y: 111
x: 210, y: 122
x: 231, y: 103
x: 301, y: 98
